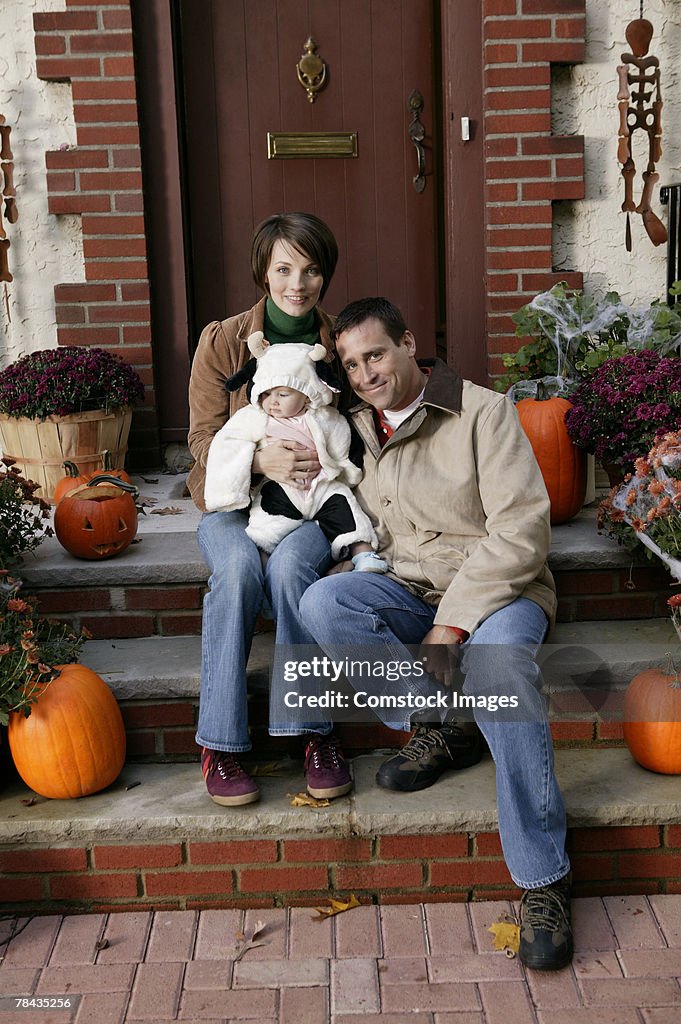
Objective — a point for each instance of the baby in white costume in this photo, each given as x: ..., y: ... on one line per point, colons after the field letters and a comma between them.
x: 289, y: 401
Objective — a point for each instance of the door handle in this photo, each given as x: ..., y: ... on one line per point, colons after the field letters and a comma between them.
x: 417, y: 134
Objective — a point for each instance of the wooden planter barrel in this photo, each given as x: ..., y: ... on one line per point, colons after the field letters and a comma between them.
x: 40, y: 447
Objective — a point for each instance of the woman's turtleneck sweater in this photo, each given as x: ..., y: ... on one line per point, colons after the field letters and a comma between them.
x: 280, y: 327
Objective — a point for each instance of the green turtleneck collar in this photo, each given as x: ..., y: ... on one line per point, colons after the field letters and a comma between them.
x: 280, y: 327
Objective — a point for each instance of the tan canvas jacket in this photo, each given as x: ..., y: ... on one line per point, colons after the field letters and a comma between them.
x: 458, y: 502
x: 221, y: 352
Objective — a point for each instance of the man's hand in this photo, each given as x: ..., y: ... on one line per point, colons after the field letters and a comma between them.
x: 438, y: 651
x: 287, y: 462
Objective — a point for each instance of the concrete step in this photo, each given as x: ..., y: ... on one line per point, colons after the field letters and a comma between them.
x: 154, y: 838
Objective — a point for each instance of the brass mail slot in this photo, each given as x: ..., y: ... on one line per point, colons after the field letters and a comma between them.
x: 297, y: 145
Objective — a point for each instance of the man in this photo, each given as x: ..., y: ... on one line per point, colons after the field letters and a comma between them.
x: 462, y: 517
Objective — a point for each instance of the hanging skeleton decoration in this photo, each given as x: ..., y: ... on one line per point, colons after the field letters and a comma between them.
x: 10, y: 212
x: 640, y: 106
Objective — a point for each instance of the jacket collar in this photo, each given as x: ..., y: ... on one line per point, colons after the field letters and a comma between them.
x: 443, y: 389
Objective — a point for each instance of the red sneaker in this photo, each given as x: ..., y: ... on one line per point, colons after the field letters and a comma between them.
x: 228, y: 784
x: 326, y: 772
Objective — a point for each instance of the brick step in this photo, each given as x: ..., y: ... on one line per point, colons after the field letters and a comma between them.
x: 156, y: 587
x: 155, y: 840
x: 587, y: 666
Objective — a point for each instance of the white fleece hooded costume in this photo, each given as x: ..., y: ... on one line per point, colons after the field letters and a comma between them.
x: 230, y: 457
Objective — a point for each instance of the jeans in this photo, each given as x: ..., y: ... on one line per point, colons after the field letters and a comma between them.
x: 359, y: 609
x: 238, y: 585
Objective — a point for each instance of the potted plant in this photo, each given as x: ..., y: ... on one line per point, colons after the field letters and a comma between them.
x: 23, y: 515
x: 625, y: 404
x: 68, y: 403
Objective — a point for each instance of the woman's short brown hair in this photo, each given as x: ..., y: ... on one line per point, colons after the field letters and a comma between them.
x: 306, y: 233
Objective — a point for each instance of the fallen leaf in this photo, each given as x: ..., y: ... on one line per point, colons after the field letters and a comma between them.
x: 102, y: 944
x: 245, y: 943
x: 305, y: 800
x: 506, y: 936
x: 131, y: 785
x: 336, y: 907
x: 169, y: 510
x: 274, y: 768
x: 31, y: 801
x: 150, y: 479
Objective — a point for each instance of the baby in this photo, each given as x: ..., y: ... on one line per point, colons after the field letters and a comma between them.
x: 289, y: 401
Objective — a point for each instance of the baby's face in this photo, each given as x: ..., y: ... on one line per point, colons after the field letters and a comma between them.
x: 283, y: 402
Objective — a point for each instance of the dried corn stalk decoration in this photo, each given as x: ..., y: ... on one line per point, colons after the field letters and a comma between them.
x: 640, y: 106
x: 8, y: 209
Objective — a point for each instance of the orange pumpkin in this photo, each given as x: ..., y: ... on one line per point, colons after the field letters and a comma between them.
x: 562, y: 464
x: 73, y: 742
x: 652, y: 719
x: 98, y: 519
x: 75, y: 478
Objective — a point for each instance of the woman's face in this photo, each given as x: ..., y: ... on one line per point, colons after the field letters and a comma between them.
x: 294, y: 281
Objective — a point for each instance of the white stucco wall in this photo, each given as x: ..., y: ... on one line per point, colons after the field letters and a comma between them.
x: 45, y: 250
x: 589, y: 234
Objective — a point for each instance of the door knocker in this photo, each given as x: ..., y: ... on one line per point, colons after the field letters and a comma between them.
x: 311, y: 70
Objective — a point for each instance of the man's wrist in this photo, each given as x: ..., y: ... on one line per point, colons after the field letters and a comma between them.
x: 460, y: 635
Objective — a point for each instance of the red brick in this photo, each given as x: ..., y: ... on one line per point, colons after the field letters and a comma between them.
x: 112, y: 626
x: 111, y: 181
x: 542, y: 282
x: 122, y: 312
x: 129, y: 202
x: 179, y: 625
x: 135, y: 292
x: 650, y: 578
x: 569, y: 732
x: 569, y: 28
x: 106, y: 271
x: 118, y: 224
x: 102, y: 336
x: 176, y: 741
x: 501, y: 146
x: 634, y: 606
x: 239, y: 851
x: 516, y: 76
x: 116, y: 19
x: 518, y: 28
x: 555, y: 53
x: 518, y: 169
x: 533, y: 236
x: 650, y: 865
x: 504, y: 192
x: 119, y: 67
x: 79, y: 203
x: 610, y: 731
x: 105, y: 42
x: 58, y: 159
x: 127, y: 157
x: 378, y: 876
x: 516, y: 258
x: 510, y: 893
x: 109, y: 135
x: 142, y: 856
x: 572, y: 167
x: 553, y: 190
x: 105, y: 113
x: 488, y: 844
x: 61, y: 69
x: 418, y: 847
x: 490, y: 8
x: 71, y: 859
x: 20, y: 890
x: 250, y: 903
x: 187, y: 883
x: 142, y: 744
x: 54, y: 602
x: 284, y: 879
x: 673, y: 835
x: 517, y: 99
x: 82, y: 887
x: 49, y: 45
x: 501, y: 53
x: 617, y: 837
x: 96, y: 248
x: 553, y: 6
x: 85, y: 292
x: 585, y: 866
x: 504, y: 124
x: 327, y: 850
x: 537, y: 145
x: 162, y: 597
x: 64, y: 21
x: 502, y: 282
x: 153, y: 716
x: 517, y: 215
x: 585, y: 582
x: 70, y: 315
x: 634, y: 887
x: 469, y: 872
x: 133, y: 908
x: 108, y: 89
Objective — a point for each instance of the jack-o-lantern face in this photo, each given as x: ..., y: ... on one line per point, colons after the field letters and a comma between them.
x: 96, y: 521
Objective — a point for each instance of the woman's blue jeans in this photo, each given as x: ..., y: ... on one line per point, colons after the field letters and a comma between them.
x: 238, y: 585
x: 365, y: 611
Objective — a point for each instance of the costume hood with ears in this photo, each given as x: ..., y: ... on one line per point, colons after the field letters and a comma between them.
x: 292, y: 365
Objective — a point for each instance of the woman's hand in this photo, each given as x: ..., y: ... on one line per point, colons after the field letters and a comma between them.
x: 287, y: 462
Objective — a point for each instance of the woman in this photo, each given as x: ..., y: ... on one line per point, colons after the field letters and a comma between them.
x: 293, y: 257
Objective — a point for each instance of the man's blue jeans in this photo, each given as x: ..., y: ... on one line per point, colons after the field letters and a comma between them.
x: 362, y: 610
x: 237, y: 586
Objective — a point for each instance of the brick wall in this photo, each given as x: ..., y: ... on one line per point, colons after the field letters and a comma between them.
x: 526, y: 167
x: 90, y: 44
x: 271, y: 872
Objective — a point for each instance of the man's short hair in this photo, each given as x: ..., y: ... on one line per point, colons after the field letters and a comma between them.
x: 377, y: 308
x: 306, y: 233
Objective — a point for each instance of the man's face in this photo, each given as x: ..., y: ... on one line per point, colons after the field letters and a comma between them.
x: 383, y: 374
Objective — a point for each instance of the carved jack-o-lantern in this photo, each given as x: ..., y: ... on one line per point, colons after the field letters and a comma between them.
x: 98, y: 519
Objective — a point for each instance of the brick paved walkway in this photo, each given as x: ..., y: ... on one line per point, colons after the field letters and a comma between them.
x: 431, y: 964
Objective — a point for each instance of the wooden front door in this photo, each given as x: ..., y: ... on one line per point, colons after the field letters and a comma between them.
x: 239, y: 60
